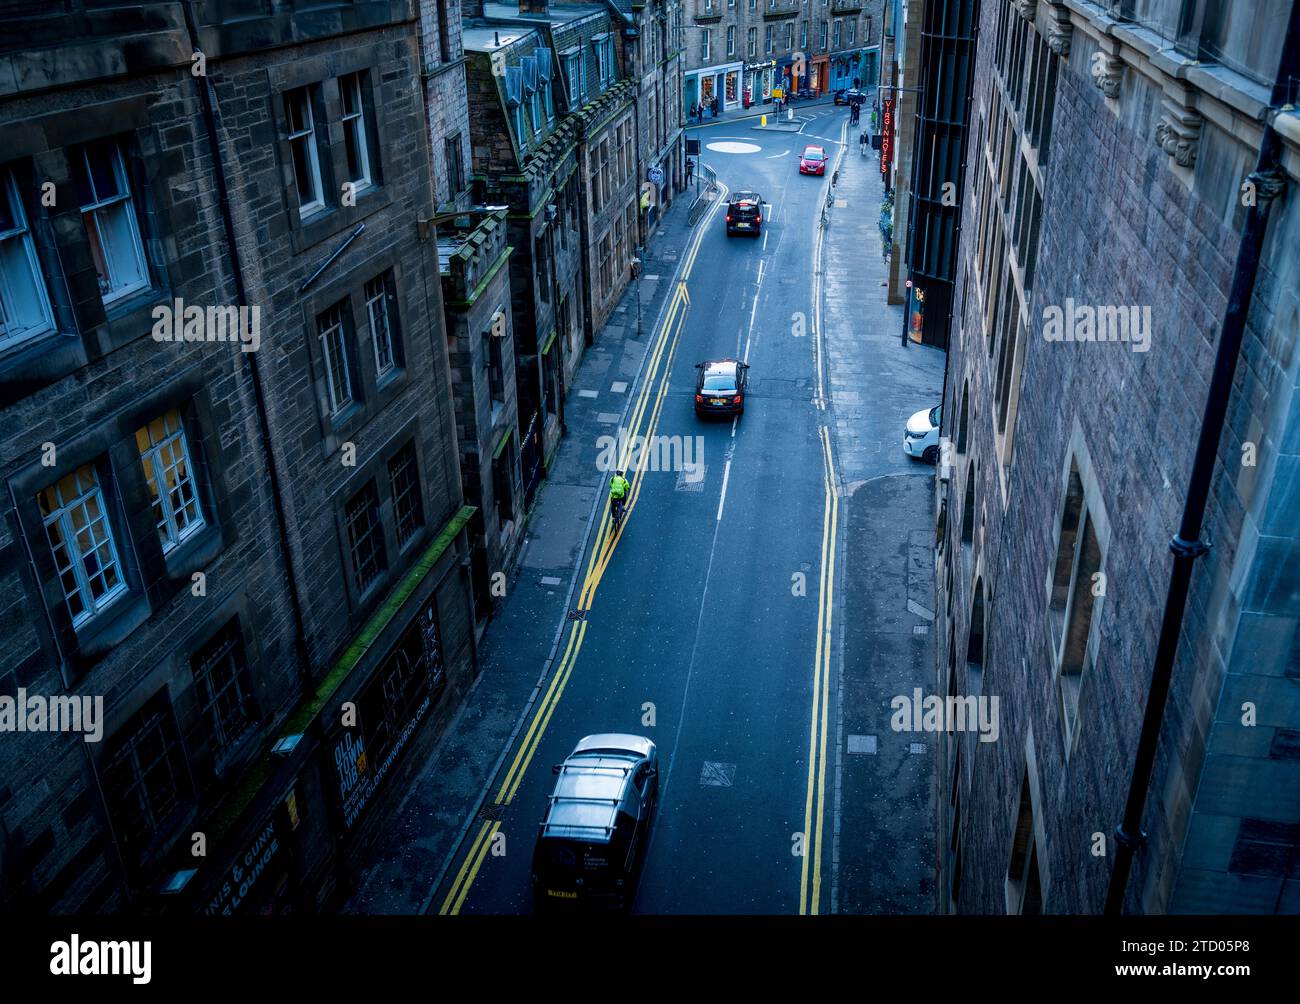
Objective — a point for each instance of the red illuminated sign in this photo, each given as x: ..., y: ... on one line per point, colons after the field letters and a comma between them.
x: 886, y: 136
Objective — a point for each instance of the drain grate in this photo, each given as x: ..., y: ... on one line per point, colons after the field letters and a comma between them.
x: 577, y: 615
x: 916, y: 748
x: 862, y: 744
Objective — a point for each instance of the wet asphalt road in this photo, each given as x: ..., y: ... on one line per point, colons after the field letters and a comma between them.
x: 712, y: 624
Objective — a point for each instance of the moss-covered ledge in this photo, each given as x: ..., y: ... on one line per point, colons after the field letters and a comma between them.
x: 308, y: 711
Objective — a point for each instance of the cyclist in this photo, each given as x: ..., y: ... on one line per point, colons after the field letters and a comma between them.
x: 618, y: 489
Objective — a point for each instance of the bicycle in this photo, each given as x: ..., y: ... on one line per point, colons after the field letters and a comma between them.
x: 617, y: 509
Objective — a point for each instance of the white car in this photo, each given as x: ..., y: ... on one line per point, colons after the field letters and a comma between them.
x: 921, y: 437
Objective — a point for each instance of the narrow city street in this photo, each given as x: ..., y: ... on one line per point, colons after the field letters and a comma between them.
x: 714, y: 622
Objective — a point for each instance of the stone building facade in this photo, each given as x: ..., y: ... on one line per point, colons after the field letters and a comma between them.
x: 738, y: 50
x: 475, y: 261
x: 445, y: 101
x: 1110, y: 154
x: 252, y: 557
x: 525, y: 155
x: 651, y: 55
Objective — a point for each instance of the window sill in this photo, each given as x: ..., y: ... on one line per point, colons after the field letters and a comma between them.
x: 323, y: 224
x: 108, y: 629
x: 193, y: 554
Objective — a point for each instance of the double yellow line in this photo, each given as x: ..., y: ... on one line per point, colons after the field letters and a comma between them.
x: 815, y: 805
x: 665, y: 348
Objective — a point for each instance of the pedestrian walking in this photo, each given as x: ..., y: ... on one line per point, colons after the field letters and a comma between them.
x: 690, y: 169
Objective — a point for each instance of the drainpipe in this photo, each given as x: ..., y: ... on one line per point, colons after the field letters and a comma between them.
x: 204, y: 86
x: 1269, y: 179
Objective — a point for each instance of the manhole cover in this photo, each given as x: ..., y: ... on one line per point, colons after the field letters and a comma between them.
x: 717, y: 775
x: 862, y: 744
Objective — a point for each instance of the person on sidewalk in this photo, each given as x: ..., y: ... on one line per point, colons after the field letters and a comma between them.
x: 690, y: 169
x: 862, y: 142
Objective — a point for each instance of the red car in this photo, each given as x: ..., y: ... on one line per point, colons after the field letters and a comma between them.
x: 812, y: 160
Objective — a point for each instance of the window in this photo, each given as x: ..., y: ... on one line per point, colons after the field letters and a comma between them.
x: 573, y: 70
x: 753, y: 42
x: 968, y: 507
x: 503, y: 481
x: 444, y: 32
x: 81, y: 540
x: 24, y: 302
x: 838, y: 25
x: 495, y: 366
x: 803, y: 34
x: 108, y: 212
x: 404, y: 484
x: 708, y: 44
x: 453, y: 151
x: 365, y: 537
x: 535, y: 110
x: 1024, y: 893
x: 603, y: 54
x: 354, y: 131
x: 521, y: 125
x: 853, y: 30
x: 548, y: 101
x: 222, y: 686
x: 821, y: 34
x: 767, y: 40
x: 170, y: 472
x: 303, y: 149
x: 334, y: 357
x: 379, y: 296
x: 731, y: 40
x: 145, y: 777
x: 606, y: 265
x: 1072, y: 598
x: 975, y: 642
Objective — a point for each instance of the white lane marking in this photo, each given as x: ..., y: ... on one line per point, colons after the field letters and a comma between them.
x: 764, y: 240
x: 761, y: 263
x: 735, y: 419
x: 745, y: 358
x: 726, y: 473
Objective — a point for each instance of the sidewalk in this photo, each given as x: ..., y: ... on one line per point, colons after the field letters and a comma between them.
x: 886, y: 787
x: 520, y: 640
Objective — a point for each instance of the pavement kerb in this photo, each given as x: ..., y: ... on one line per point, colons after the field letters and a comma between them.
x: 549, y: 662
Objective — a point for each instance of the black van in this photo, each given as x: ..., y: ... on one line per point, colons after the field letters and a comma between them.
x: 592, y: 841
